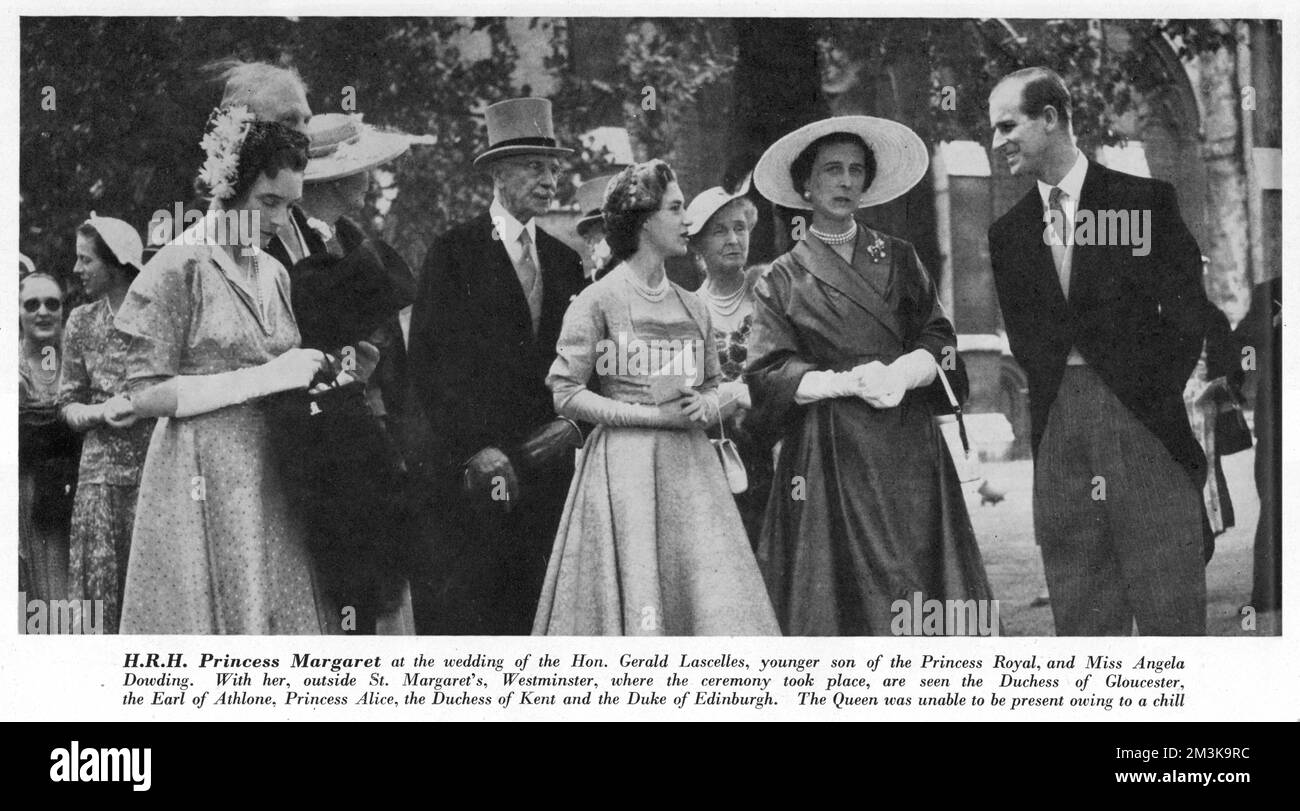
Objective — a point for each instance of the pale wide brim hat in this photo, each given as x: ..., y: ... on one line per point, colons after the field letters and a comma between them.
x: 710, y: 202
x: 520, y: 127
x: 123, y: 240
x: 901, y: 159
x: 342, y: 145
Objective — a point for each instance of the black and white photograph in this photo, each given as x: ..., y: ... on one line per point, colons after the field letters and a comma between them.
x: 766, y: 335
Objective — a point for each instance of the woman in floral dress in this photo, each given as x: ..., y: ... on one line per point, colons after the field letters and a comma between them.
x: 91, y: 384
x: 721, y: 223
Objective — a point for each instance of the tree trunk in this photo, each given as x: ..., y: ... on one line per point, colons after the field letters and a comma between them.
x: 1228, y: 243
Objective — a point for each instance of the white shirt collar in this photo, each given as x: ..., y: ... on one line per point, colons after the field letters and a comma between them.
x: 508, y: 227
x: 1071, y: 184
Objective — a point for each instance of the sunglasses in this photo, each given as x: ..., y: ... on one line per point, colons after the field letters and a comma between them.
x: 53, y: 305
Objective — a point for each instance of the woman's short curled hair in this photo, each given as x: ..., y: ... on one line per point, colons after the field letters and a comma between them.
x: 801, y: 168
x: 631, y: 198
x: 268, y: 148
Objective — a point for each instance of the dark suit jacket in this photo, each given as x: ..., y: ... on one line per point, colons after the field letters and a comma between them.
x: 477, y: 372
x: 1138, y: 321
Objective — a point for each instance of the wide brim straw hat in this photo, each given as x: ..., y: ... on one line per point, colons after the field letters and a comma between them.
x: 901, y: 159
x: 123, y: 240
x: 342, y: 145
x: 710, y: 202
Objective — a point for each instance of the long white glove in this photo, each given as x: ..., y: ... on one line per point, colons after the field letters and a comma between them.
x: 200, y: 394
x: 814, y: 386
x: 586, y: 405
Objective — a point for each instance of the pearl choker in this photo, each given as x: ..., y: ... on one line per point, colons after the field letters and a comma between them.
x: 837, y: 239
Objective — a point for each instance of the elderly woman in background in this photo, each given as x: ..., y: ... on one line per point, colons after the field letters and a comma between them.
x: 91, y: 386
x: 47, y: 450
x: 650, y: 541
x: 721, y: 223
x: 848, y: 333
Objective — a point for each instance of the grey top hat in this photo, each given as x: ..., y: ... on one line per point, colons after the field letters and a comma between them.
x: 520, y: 127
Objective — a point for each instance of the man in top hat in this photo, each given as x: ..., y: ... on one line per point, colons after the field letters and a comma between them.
x: 484, y: 327
x: 1108, y: 335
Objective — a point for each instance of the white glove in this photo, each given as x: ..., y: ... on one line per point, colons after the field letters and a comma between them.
x: 200, y: 394
x: 586, y: 405
x: 917, y: 368
x: 825, y: 385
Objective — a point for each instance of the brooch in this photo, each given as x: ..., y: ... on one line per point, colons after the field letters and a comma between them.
x: 876, y: 250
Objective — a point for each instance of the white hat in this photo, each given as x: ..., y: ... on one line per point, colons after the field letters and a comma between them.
x: 121, y: 239
x: 710, y: 202
x: 341, y: 145
x: 900, y: 154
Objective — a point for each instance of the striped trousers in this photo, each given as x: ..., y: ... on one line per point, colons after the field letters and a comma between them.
x: 1117, y: 520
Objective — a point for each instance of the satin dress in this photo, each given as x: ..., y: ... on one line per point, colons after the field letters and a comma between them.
x: 866, y: 508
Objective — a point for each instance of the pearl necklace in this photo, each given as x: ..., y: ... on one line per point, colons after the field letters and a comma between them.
x: 837, y: 239
x: 653, y: 294
x: 725, y: 306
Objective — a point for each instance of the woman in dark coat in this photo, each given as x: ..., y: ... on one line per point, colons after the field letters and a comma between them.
x: 866, y: 509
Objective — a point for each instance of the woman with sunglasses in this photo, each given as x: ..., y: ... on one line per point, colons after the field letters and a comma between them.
x: 92, y: 382
x: 47, y: 451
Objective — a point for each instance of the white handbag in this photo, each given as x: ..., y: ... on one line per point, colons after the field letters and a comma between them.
x: 732, y: 465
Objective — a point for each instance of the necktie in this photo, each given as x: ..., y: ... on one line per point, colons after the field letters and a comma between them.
x: 530, y: 278
x: 1061, y: 228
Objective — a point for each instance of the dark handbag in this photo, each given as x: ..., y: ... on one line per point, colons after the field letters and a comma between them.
x: 1231, y: 433
x: 347, y: 482
x: 51, y: 451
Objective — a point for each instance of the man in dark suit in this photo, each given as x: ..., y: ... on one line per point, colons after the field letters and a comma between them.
x: 1107, y: 321
x: 483, y: 332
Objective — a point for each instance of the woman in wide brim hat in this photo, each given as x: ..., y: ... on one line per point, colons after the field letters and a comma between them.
x: 350, y: 295
x: 847, y: 338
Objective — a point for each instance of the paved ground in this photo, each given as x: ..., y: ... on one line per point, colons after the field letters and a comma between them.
x: 1015, y: 569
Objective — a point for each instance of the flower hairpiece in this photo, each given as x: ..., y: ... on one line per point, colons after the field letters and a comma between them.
x: 224, y: 135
